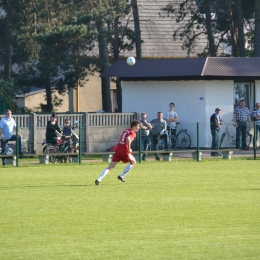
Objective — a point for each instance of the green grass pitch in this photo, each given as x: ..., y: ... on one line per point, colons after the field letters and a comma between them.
x: 165, y: 210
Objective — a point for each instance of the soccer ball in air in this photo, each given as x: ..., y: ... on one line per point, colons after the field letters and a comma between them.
x: 130, y: 61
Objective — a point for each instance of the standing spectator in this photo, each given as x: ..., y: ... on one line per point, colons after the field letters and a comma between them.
x: 145, y: 134
x: 67, y: 132
x: 123, y: 153
x: 7, y: 126
x: 256, y: 117
x: 171, y: 118
x: 215, y: 127
x: 159, y: 127
x: 52, y: 130
x: 241, y: 116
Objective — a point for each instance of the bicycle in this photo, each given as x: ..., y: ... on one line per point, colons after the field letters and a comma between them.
x: 62, y: 146
x: 231, y: 139
x: 181, y: 140
x: 11, y: 147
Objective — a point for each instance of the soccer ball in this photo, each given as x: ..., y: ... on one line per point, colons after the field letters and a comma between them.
x: 130, y: 61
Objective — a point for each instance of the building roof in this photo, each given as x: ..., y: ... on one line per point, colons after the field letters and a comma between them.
x: 185, y: 69
x: 157, y: 29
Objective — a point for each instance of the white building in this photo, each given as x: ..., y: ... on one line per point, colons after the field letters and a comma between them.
x: 196, y: 85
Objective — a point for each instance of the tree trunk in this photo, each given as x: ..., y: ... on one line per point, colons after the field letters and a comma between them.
x: 48, y: 92
x: 257, y: 29
x: 137, y: 29
x: 119, y: 95
x: 240, y: 25
x: 8, y: 42
x: 116, y: 56
x: 105, y: 82
x: 232, y: 29
x: 212, y: 46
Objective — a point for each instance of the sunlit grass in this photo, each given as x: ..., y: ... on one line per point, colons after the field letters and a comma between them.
x: 166, y: 210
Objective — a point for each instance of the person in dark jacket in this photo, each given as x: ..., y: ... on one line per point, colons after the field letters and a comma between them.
x: 215, y: 128
x: 52, y: 130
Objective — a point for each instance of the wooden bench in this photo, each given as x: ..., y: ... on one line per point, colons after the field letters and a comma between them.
x: 227, y: 153
x: 45, y: 158
x: 10, y: 158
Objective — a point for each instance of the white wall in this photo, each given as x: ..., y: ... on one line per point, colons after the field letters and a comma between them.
x: 257, y: 90
x: 195, y: 101
x: 220, y: 94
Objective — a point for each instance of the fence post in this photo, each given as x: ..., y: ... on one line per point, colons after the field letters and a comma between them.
x: 140, y: 142
x: 254, y: 140
x: 198, y: 141
x: 79, y: 143
x: 35, y: 134
x: 17, y: 146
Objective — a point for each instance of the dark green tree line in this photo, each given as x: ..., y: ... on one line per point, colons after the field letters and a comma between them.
x: 225, y: 23
x: 50, y: 43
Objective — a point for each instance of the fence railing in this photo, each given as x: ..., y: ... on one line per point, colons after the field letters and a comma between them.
x: 95, y: 128
x: 101, y: 131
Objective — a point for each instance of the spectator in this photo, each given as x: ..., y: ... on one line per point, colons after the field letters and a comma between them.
x: 159, y: 127
x: 215, y: 127
x: 171, y: 118
x: 123, y: 153
x: 145, y: 133
x: 52, y: 130
x: 7, y: 126
x: 241, y: 116
x: 67, y: 132
x: 256, y: 117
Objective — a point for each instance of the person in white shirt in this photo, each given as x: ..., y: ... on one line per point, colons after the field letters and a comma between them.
x: 171, y: 118
x: 7, y: 126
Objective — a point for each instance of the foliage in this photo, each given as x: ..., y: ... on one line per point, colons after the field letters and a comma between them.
x: 53, y: 41
x: 192, y: 17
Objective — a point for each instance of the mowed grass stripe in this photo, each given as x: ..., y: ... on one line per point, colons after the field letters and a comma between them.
x: 165, y: 210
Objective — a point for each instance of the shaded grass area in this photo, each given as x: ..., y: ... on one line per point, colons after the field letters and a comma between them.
x: 165, y: 210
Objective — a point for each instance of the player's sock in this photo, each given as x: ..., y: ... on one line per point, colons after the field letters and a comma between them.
x: 126, y: 170
x: 103, y: 174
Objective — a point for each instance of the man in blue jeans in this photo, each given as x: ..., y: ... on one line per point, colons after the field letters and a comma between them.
x: 7, y: 126
x: 214, y: 128
x: 145, y: 133
x: 241, y: 117
x: 256, y: 117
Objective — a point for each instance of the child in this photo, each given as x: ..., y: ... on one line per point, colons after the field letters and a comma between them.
x: 67, y: 131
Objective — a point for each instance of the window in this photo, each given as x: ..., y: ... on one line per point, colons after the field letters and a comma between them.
x: 244, y: 91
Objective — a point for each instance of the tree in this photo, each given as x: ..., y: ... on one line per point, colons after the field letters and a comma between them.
x: 7, y: 4
x: 257, y: 29
x: 232, y: 29
x: 122, y: 38
x: 208, y: 22
x: 138, y: 39
x: 240, y: 26
x: 210, y: 17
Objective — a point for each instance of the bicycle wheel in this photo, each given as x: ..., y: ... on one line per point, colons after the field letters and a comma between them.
x: 248, y: 139
x: 221, y: 140
x: 50, y: 150
x: 183, y: 139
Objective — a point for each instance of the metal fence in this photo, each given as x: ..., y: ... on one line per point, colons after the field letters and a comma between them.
x: 98, y: 131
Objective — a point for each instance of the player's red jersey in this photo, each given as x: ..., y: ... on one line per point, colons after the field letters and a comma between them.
x: 122, y: 153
